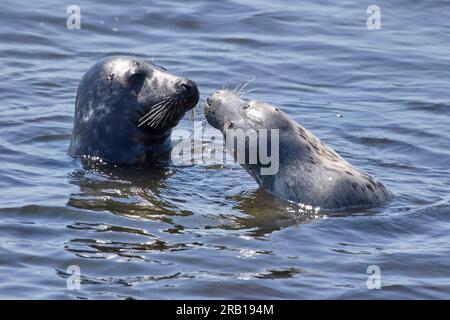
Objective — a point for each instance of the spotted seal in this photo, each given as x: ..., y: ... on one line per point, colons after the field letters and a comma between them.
x: 125, y: 109
x: 309, y: 172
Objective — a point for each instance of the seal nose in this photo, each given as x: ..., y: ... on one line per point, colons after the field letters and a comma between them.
x: 190, y: 92
x: 213, y: 102
x: 190, y: 86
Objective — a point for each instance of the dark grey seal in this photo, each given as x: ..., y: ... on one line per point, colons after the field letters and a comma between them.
x: 309, y: 171
x: 125, y: 110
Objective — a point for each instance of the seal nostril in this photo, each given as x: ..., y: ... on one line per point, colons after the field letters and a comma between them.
x: 189, y: 86
x: 186, y: 87
x: 188, y: 90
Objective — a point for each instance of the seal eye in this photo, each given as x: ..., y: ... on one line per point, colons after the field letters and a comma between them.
x: 136, y: 81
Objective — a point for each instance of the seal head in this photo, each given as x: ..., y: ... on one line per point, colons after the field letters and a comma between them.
x: 125, y: 109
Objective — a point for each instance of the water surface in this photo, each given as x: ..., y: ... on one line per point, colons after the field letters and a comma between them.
x: 205, y: 231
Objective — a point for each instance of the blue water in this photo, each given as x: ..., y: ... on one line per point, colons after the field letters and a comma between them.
x: 206, y: 231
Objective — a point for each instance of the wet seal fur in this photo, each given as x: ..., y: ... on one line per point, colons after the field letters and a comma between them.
x: 125, y: 109
x: 310, y: 172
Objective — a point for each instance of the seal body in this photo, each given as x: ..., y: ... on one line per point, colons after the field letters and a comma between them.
x: 309, y: 171
x: 125, y: 109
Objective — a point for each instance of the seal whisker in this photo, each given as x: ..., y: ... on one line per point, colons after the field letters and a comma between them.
x: 248, y: 91
x: 169, y: 114
x: 155, y: 112
x: 162, y: 117
x: 150, y: 115
x: 161, y: 114
x: 176, y: 107
x: 153, y: 108
x: 157, y: 117
x: 246, y: 84
x: 152, y: 112
x: 241, y: 83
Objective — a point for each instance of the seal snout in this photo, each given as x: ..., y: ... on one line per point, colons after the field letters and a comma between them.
x: 222, y: 107
x: 189, y: 90
x: 189, y: 85
x: 221, y: 97
x: 211, y: 108
x: 212, y: 103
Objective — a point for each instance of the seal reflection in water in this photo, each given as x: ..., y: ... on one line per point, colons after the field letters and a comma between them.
x: 125, y: 110
x: 309, y: 171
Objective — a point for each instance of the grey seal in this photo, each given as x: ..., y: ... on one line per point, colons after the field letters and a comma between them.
x: 309, y: 171
x: 125, y: 109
